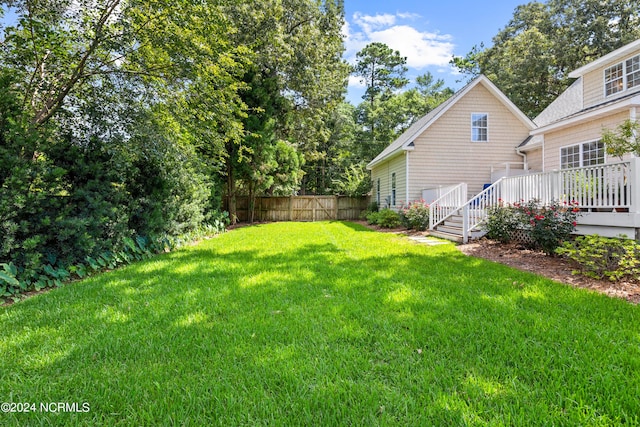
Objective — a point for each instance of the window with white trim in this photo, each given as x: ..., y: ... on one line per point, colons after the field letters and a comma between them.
x: 393, y: 189
x: 579, y: 155
x: 613, y: 79
x: 622, y: 76
x: 479, y: 127
x: 633, y: 71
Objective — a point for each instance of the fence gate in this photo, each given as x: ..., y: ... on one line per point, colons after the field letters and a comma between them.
x: 314, y: 208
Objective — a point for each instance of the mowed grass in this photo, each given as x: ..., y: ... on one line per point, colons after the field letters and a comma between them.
x: 325, y: 324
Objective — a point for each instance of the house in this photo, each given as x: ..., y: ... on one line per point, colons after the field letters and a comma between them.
x: 567, y: 142
x: 459, y: 141
x: 557, y: 156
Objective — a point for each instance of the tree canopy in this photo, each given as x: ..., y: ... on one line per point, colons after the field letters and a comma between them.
x: 531, y: 57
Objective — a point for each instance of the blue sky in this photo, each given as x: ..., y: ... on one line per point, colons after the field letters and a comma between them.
x: 427, y: 32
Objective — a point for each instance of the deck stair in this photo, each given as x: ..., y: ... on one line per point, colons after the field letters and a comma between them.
x: 451, y: 229
x: 457, y: 218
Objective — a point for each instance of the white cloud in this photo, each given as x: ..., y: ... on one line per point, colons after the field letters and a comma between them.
x: 422, y: 48
x: 356, y: 82
x: 368, y: 22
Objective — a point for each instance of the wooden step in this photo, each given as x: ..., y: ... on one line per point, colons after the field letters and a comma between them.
x: 451, y: 229
x: 444, y: 235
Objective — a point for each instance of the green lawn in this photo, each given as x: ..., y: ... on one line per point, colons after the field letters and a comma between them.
x: 321, y: 324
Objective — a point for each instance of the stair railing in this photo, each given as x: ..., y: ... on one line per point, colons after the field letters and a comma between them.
x: 475, y: 211
x: 446, y: 205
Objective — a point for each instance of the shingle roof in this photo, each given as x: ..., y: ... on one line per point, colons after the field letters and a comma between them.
x: 569, y: 102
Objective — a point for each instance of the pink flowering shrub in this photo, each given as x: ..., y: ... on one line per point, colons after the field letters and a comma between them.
x: 416, y: 215
x: 548, y: 226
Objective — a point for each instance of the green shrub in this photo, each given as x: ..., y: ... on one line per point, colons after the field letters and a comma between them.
x: 416, y: 215
x: 501, y: 222
x: 388, y: 218
x: 600, y: 257
x: 372, y: 217
x: 70, y: 200
x: 372, y: 208
x: 547, y: 226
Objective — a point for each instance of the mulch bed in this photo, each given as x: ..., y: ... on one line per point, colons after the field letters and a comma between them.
x: 556, y: 268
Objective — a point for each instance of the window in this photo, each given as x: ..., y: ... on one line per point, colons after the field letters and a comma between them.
x: 585, y: 154
x: 613, y: 79
x: 378, y: 192
x: 393, y: 189
x: 633, y: 72
x: 622, y: 76
x: 479, y: 127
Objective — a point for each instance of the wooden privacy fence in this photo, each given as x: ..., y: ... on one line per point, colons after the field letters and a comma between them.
x: 302, y: 208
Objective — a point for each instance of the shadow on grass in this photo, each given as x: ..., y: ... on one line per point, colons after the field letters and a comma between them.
x: 333, y: 329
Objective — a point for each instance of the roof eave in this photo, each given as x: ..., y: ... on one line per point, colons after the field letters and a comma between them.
x: 383, y: 159
x: 589, y: 115
x: 612, y: 56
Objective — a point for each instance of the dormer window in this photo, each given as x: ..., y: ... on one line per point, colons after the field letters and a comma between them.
x: 622, y: 76
x: 633, y: 72
x: 613, y: 79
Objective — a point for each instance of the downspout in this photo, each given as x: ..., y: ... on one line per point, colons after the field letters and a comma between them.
x: 406, y: 180
x: 524, y: 158
x: 633, y: 116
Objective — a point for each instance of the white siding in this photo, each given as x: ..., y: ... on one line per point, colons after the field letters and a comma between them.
x: 384, y: 171
x: 594, y: 92
x: 444, y: 154
x: 585, y: 132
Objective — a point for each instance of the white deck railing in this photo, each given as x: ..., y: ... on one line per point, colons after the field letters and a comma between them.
x: 446, y: 205
x: 610, y: 186
x: 592, y: 187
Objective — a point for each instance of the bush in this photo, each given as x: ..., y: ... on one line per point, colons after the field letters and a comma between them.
x: 501, y: 222
x: 601, y: 257
x: 547, y: 226
x: 388, y: 218
x: 372, y: 208
x: 416, y: 215
x: 72, y: 201
x: 372, y: 217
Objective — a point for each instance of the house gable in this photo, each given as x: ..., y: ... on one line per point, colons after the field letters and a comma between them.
x: 446, y: 153
x: 404, y: 141
x: 573, y: 124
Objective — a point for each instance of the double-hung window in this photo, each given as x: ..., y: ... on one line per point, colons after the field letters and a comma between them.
x: 579, y: 155
x: 613, y: 79
x: 479, y: 127
x: 632, y: 68
x: 393, y: 189
x: 622, y: 76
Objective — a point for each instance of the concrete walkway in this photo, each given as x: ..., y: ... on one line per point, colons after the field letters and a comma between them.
x: 427, y: 240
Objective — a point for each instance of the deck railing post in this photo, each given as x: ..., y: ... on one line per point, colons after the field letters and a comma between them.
x: 465, y: 224
x: 633, y: 181
x: 557, y: 190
